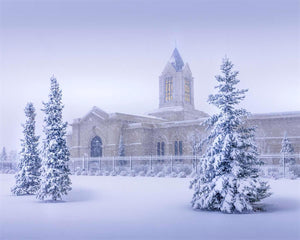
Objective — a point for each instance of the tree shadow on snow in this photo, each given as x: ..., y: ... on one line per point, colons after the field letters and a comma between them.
x: 80, y: 195
x: 279, y: 205
x: 75, y: 195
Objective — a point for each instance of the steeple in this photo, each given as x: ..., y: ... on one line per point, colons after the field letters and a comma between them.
x: 176, y: 91
x: 176, y: 60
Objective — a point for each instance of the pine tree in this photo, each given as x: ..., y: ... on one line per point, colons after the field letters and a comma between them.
x: 228, y: 179
x: 55, y: 181
x: 28, y: 175
x: 195, y: 142
x: 121, y: 150
x: 3, y: 155
x: 287, y: 152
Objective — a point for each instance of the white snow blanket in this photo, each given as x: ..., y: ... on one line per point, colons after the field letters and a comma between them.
x: 142, y: 208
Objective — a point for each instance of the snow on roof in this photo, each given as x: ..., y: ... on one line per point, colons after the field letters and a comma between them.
x: 275, y: 115
x: 183, y: 122
x: 167, y: 109
x: 136, y: 116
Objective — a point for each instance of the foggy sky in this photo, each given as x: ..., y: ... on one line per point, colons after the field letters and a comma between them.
x: 110, y: 54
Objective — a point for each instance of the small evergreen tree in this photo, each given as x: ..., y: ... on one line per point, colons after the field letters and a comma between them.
x: 121, y: 150
x: 3, y: 155
x: 287, y: 152
x: 13, y: 156
x: 55, y: 180
x: 28, y: 175
x: 228, y: 179
x: 195, y: 142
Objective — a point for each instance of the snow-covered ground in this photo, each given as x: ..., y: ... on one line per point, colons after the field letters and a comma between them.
x: 142, y: 208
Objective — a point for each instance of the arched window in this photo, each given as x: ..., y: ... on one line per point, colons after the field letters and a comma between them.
x: 187, y: 90
x: 178, y: 148
x: 96, y: 147
x: 168, y: 89
x: 160, y: 149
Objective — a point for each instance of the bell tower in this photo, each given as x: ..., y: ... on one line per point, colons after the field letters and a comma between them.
x: 176, y: 91
x: 176, y: 85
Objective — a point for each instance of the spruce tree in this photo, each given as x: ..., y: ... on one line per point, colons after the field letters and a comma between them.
x: 3, y: 155
x: 55, y: 180
x: 228, y: 179
x: 287, y: 152
x: 28, y: 175
x: 121, y: 149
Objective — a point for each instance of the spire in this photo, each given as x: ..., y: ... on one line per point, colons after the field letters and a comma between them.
x: 176, y: 60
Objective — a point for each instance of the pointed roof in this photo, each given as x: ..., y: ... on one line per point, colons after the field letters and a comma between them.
x: 176, y: 60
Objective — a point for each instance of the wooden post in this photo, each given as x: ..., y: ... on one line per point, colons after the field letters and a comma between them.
x: 151, y: 162
x: 171, y: 163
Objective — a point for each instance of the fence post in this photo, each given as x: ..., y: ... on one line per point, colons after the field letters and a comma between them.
x: 113, y: 163
x: 283, y: 165
x: 87, y: 164
x: 82, y: 162
x: 99, y: 164
x: 171, y: 163
x: 130, y: 163
x: 151, y: 162
x: 196, y: 167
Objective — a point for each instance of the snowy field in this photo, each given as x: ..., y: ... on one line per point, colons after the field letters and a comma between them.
x: 142, y: 208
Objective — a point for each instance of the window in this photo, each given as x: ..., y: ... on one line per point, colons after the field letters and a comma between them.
x: 160, y: 149
x: 187, y: 90
x: 96, y: 147
x: 178, y: 148
x: 168, y: 89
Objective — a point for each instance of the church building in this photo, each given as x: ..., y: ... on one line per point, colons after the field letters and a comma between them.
x: 174, y: 128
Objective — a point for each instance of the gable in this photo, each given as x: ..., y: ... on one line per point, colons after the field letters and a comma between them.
x: 96, y: 113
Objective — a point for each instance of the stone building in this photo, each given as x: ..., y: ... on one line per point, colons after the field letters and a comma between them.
x: 173, y: 129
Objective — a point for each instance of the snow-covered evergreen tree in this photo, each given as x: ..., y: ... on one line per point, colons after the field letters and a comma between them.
x: 228, y: 179
x: 13, y: 156
x: 121, y: 150
x: 195, y: 142
x: 287, y: 152
x: 3, y: 156
x: 55, y: 180
x: 28, y: 175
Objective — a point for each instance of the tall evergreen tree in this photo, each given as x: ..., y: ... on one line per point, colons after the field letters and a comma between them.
x: 55, y: 180
x: 228, y: 179
x: 28, y: 175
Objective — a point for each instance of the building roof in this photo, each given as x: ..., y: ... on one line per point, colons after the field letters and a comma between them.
x: 176, y: 60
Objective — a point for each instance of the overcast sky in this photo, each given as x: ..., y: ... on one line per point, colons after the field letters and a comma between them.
x: 110, y: 54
